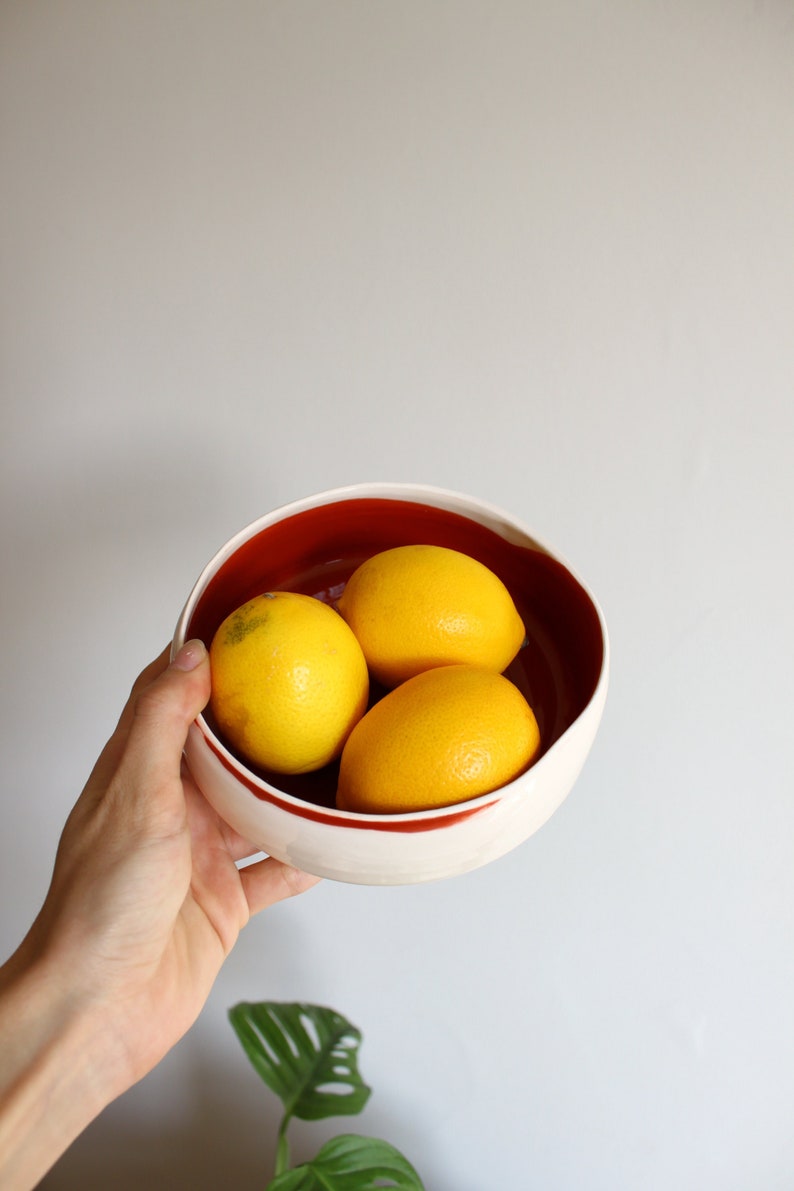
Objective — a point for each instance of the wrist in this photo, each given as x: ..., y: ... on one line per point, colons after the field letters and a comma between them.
x: 52, y: 1083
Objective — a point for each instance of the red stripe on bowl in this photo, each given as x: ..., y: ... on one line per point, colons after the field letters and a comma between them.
x: 304, y: 810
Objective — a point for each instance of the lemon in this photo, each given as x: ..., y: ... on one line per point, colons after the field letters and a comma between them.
x: 289, y: 681
x: 446, y: 735
x: 416, y: 607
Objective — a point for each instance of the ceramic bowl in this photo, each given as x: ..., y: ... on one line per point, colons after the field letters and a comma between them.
x: 313, y: 546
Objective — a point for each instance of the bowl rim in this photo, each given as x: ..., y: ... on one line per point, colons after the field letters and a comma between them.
x: 386, y: 490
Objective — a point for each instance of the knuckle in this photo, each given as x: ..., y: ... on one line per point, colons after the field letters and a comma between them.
x: 160, y: 704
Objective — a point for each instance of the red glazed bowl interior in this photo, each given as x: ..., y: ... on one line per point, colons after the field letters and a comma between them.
x: 316, y: 551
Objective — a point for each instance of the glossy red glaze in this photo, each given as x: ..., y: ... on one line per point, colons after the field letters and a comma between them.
x: 317, y: 550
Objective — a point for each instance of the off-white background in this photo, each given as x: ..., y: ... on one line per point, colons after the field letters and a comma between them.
x: 539, y: 252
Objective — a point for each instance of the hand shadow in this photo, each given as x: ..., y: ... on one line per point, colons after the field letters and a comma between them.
x: 223, y: 1133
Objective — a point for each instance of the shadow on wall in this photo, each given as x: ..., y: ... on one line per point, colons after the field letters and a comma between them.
x: 227, y: 1140
x: 219, y: 1139
x: 223, y: 1134
x: 125, y: 534
x: 131, y: 492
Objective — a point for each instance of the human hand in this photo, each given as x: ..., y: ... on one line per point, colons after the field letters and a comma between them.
x: 146, y: 899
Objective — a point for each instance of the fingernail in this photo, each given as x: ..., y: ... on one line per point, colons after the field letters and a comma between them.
x: 191, y: 654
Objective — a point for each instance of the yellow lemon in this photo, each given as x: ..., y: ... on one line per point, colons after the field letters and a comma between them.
x: 416, y: 607
x: 289, y: 681
x: 448, y: 734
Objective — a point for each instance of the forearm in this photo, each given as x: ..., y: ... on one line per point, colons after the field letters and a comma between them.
x: 52, y: 1083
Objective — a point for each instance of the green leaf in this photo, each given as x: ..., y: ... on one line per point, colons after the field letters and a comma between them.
x: 306, y: 1054
x: 351, y: 1163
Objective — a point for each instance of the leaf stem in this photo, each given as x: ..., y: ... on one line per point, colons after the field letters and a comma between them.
x: 282, y: 1146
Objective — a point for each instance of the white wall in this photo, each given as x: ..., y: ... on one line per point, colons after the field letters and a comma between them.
x: 542, y: 253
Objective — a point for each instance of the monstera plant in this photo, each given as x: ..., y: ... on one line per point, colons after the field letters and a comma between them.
x: 308, y: 1056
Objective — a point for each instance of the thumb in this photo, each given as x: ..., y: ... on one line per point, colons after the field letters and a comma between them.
x: 162, y: 714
